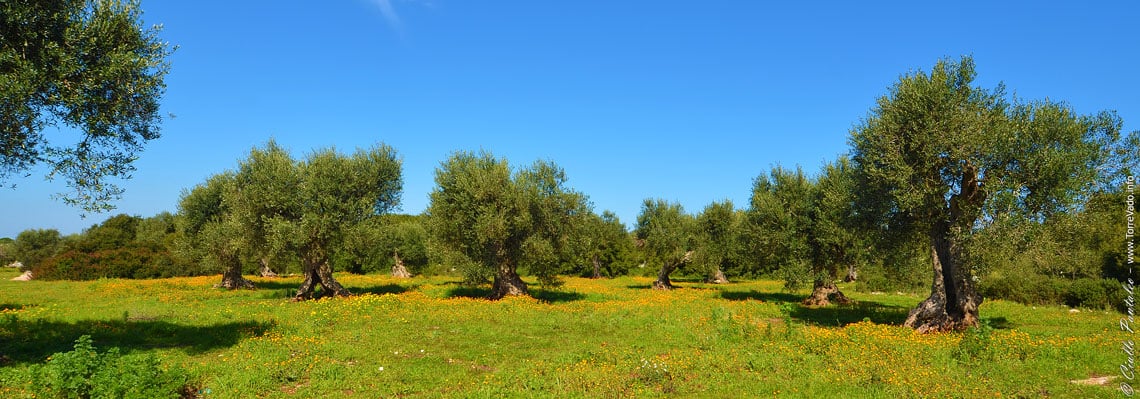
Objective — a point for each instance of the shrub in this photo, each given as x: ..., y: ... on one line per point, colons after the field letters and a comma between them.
x: 70, y: 265
x: 1093, y: 293
x: 1029, y: 289
x: 32, y: 247
x: 86, y: 373
x: 1042, y: 290
x: 137, y: 261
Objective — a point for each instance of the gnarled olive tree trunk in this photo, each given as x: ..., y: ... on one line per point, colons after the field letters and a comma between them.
x: 667, y: 268
x: 953, y: 301
x: 662, y: 282
x: 398, y: 269
x: 318, y: 273
x: 231, y: 276
x: 823, y: 293
x: 507, y: 282
x: 852, y: 274
x: 265, y: 271
x: 717, y: 277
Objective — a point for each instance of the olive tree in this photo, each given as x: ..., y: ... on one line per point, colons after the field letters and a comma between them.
x: 334, y: 191
x: 940, y: 157
x: 264, y: 189
x: 88, y: 65
x: 837, y: 241
x: 665, y: 234
x: 606, y: 245
x: 778, y: 224
x: 392, y: 242
x: 6, y: 257
x: 34, y: 246
x: 717, y: 236
x: 157, y: 230
x: 494, y: 221
x: 116, y: 232
x: 208, y: 234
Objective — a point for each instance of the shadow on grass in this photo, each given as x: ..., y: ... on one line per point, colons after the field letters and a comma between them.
x: 33, y: 341
x: 553, y: 296
x: 545, y: 295
x: 761, y: 296
x: 375, y: 290
x: 833, y: 316
x: 380, y: 289
x: 1000, y: 323
x: 276, y: 285
x: 275, y: 290
x: 462, y: 291
x: 689, y: 285
x: 841, y: 315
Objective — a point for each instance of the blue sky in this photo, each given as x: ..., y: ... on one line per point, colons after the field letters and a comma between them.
x: 686, y: 101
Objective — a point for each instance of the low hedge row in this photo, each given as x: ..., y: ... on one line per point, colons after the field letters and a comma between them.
x: 1042, y: 290
x: 137, y: 262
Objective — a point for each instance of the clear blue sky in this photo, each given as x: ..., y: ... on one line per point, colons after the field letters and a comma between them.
x: 687, y: 101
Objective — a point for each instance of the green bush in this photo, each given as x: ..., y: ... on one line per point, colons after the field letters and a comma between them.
x: 1042, y: 290
x: 136, y: 261
x: 1029, y: 289
x: 70, y: 265
x: 85, y: 373
x: 1095, y: 294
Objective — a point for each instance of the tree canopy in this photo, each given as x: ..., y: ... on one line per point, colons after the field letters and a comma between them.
x: 717, y: 231
x: 88, y: 65
x: 778, y: 223
x: 34, y: 246
x: 606, y: 245
x: 665, y: 234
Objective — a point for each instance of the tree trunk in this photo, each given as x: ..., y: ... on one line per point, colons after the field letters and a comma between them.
x: 398, y: 270
x: 318, y: 273
x: 507, y: 282
x: 662, y: 282
x: 717, y: 277
x: 824, y: 293
x: 597, y: 267
x: 852, y: 274
x: 265, y: 271
x: 953, y: 302
x: 667, y: 268
x: 232, y: 278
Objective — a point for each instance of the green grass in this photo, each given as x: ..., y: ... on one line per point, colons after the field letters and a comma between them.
x: 430, y: 337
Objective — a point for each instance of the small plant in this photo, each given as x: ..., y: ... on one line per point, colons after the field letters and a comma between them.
x: 652, y: 373
x: 975, y: 344
x: 85, y: 373
x: 786, y: 309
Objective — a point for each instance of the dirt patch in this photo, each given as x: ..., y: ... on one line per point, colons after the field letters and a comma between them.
x: 1095, y: 380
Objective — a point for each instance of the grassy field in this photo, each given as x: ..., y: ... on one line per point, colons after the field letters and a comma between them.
x: 429, y: 337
